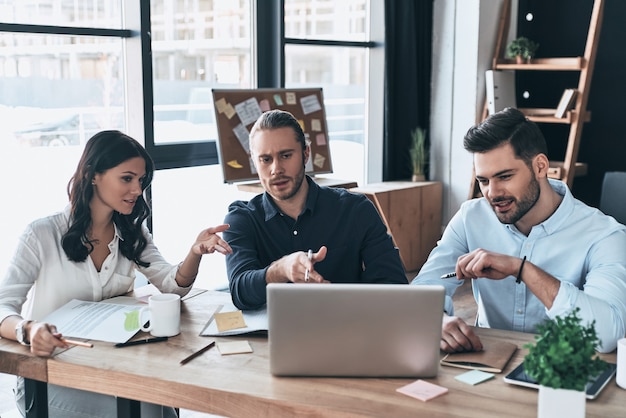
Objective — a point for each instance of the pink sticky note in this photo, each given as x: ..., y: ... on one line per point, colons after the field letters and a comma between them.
x: 422, y: 390
x: 264, y: 105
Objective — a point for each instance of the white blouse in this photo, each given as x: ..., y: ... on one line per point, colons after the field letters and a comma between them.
x: 41, y: 278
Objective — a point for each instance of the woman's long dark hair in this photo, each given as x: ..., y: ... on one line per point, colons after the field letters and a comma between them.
x: 105, y: 150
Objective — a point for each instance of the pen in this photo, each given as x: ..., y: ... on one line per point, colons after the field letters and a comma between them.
x: 306, y: 272
x: 448, y: 275
x: 197, y: 353
x: 77, y: 343
x: 146, y: 341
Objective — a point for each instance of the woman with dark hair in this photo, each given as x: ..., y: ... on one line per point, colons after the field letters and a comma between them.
x: 90, y: 251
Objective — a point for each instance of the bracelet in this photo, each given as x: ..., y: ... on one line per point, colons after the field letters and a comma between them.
x: 519, y: 273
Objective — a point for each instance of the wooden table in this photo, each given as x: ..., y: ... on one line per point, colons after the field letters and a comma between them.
x: 241, y: 385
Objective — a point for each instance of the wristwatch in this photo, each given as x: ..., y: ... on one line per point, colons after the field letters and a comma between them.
x: 20, y: 332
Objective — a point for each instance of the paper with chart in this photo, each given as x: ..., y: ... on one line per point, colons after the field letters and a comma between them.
x: 255, y: 321
x: 103, y: 321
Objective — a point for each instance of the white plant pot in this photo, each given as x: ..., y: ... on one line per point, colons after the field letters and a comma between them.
x: 557, y: 403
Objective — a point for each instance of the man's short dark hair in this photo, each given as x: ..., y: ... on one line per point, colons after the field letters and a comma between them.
x: 275, y: 119
x: 509, y: 125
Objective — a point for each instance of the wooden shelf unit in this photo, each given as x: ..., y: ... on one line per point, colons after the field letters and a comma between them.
x: 569, y: 168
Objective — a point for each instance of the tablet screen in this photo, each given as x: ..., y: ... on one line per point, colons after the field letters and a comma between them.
x: 594, y: 387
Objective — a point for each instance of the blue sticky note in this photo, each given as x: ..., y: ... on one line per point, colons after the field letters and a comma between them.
x: 474, y: 377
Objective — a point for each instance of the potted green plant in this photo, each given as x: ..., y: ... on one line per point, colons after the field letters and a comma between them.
x: 522, y: 49
x: 419, y: 154
x: 562, y: 360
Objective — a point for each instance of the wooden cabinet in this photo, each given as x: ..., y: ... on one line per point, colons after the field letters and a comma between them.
x: 412, y: 213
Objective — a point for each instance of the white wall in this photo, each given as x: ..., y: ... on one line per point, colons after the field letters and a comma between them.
x: 464, y: 33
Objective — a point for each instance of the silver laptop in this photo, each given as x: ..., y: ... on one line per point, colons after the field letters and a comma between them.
x: 374, y: 330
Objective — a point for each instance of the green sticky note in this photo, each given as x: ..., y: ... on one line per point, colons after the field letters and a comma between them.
x: 131, y: 322
x: 474, y: 377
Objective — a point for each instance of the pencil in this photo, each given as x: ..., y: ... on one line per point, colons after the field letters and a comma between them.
x: 77, y: 343
x: 197, y: 353
x: 306, y: 272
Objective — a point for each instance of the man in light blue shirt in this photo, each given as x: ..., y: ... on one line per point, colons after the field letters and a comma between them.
x: 532, y: 251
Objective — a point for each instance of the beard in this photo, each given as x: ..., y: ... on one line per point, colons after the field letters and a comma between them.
x: 522, y: 206
x: 297, y: 183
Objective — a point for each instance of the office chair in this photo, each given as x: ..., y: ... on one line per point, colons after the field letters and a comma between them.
x: 613, y: 195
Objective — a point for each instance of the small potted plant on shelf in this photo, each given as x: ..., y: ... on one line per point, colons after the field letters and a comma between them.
x: 419, y: 154
x: 562, y: 360
x: 522, y: 49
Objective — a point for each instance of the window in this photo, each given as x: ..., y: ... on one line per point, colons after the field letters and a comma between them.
x: 328, y: 45
x: 73, y: 67
x: 196, y: 46
x: 58, y: 86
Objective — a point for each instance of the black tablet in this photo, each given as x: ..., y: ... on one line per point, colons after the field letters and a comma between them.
x: 594, y: 387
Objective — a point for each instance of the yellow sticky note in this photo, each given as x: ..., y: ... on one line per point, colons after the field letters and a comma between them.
x: 229, y: 111
x: 316, y: 125
x: 226, y: 321
x: 301, y: 123
x: 319, y: 160
x: 234, y: 164
x: 220, y: 105
x: 234, y: 347
x: 290, y: 98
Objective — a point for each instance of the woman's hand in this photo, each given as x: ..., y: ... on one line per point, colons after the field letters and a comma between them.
x: 44, y: 338
x: 208, y: 241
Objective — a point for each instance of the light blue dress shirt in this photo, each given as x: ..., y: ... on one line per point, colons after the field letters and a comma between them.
x: 578, y: 244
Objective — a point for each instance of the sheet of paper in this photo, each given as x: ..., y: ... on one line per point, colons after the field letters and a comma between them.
x: 474, y: 377
x: 248, y: 111
x: 234, y: 347
x: 255, y: 320
x: 243, y: 136
x: 102, y: 321
x: 422, y: 390
x: 310, y: 104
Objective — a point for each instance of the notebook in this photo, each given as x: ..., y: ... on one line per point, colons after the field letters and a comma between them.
x: 373, y: 330
x: 493, y: 358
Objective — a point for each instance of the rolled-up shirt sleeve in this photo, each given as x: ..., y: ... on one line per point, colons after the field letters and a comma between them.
x: 603, y: 296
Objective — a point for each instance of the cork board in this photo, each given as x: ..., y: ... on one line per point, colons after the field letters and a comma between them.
x: 237, y: 110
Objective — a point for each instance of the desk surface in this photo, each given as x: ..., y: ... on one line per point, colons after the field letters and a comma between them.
x: 241, y: 385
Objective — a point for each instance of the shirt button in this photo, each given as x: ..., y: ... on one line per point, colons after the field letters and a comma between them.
x: 520, y: 311
x: 106, y: 268
x: 295, y: 232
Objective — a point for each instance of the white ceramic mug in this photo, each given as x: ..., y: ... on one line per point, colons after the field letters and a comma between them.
x: 621, y: 363
x: 164, y: 315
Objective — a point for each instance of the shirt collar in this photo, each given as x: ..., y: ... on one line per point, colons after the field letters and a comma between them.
x: 118, y: 233
x: 564, y: 209
x: 561, y: 213
x: 271, y: 209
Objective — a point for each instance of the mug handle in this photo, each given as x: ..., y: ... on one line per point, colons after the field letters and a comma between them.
x: 141, y: 321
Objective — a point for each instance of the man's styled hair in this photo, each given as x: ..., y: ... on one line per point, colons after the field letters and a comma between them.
x: 275, y: 119
x: 509, y: 125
